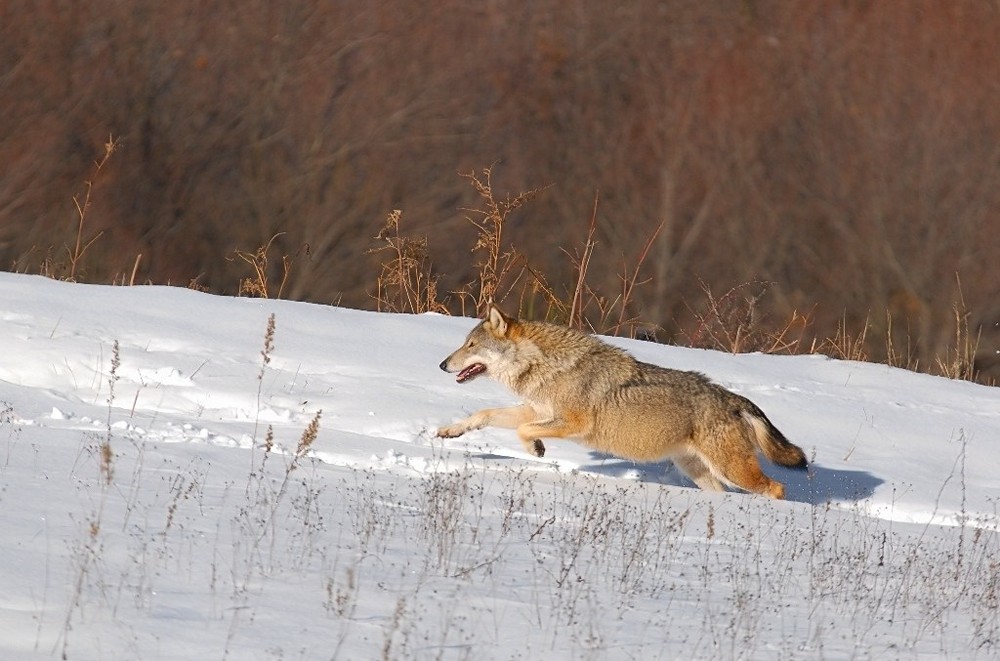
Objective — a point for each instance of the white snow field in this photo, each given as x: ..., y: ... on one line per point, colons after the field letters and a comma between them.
x: 164, y: 498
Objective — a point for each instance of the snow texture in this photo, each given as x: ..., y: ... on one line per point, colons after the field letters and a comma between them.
x: 163, y: 499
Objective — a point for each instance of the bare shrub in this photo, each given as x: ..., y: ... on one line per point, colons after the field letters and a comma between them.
x: 407, y: 282
x: 735, y: 322
x: 500, y: 266
x: 259, y: 283
x: 959, y: 358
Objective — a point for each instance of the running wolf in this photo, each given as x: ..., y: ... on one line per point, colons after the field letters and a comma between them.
x: 577, y: 386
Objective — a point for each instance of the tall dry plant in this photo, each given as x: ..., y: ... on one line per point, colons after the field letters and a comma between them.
x: 88, y: 551
x: 407, y: 282
x: 259, y: 283
x: 614, y: 314
x: 500, y: 266
x: 82, y: 205
x: 959, y: 359
x: 735, y: 322
x: 265, y: 360
x: 846, y: 344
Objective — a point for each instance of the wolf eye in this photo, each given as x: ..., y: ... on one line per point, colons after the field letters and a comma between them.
x: 472, y: 343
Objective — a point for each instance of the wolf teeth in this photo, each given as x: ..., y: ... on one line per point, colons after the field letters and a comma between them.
x: 470, y: 371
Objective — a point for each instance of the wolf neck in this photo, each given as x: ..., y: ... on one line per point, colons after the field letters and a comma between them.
x: 545, y: 352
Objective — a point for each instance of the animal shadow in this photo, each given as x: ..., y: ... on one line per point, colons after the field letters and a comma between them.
x: 816, y: 485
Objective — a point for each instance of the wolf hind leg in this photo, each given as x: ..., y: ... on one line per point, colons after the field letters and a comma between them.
x: 728, y: 451
x: 742, y: 470
x: 748, y: 475
x: 698, y: 472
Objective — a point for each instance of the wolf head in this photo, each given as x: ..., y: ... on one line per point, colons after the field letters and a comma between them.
x: 487, y: 348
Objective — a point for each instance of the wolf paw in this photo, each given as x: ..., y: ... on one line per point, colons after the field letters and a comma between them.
x: 537, y: 448
x: 451, y: 431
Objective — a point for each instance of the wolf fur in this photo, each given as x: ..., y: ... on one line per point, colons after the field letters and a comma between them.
x: 575, y: 386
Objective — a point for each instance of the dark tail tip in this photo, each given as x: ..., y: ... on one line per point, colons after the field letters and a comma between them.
x: 801, y: 464
x: 789, y: 455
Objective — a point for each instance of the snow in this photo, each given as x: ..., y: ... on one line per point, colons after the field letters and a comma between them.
x: 195, y: 540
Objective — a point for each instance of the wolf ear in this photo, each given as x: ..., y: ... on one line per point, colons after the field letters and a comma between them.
x: 498, y: 320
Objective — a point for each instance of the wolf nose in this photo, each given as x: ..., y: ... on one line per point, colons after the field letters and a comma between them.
x: 444, y: 365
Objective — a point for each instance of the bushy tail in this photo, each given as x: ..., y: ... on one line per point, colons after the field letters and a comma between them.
x: 771, y: 442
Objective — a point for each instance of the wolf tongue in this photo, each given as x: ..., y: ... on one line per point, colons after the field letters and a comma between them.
x: 470, y: 371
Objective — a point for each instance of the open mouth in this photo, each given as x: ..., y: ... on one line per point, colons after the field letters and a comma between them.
x: 472, y: 370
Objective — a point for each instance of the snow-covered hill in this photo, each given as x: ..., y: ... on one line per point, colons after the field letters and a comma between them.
x: 163, y: 499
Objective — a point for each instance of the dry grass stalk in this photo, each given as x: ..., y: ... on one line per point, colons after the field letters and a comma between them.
x: 959, y: 360
x: 106, y: 454
x: 107, y: 462
x: 308, y: 437
x: 80, y: 246
x: 581, y: 263
x: 734, y: 322
x: 407, y: 282
x: 500, y: 267
x: 844, y: 345
x: 893, y: 355
x: 625, y: 324
x: 612, y: 314
x: 265, y: 353
x: 258, y: 284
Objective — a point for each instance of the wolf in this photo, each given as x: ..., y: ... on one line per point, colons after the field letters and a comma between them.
x: 576, y: 386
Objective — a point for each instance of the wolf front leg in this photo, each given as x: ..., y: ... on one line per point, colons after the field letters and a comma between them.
x: 567, y: 426
x: 511, y: 417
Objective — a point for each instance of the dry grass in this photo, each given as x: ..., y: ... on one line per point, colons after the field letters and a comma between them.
x: 88, y: 550
x: 407, y: 282
x: 735, y: 322
x: 846, y: 345
x: 82, y: 205
x: 575, y: 553
x: 68, y: 264
x: 959, y: 360
x: 500, y: 266
x: 261, y: 283
x: 592, y: 310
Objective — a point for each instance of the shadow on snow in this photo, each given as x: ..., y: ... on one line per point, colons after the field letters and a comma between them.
x: 815, y: 486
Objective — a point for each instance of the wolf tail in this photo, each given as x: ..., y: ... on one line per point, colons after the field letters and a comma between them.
x: 769, y: 439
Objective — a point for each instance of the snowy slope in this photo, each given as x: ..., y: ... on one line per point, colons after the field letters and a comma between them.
x: 194, y: 540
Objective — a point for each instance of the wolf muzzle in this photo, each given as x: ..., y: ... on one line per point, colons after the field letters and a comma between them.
x: 465, y: 373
